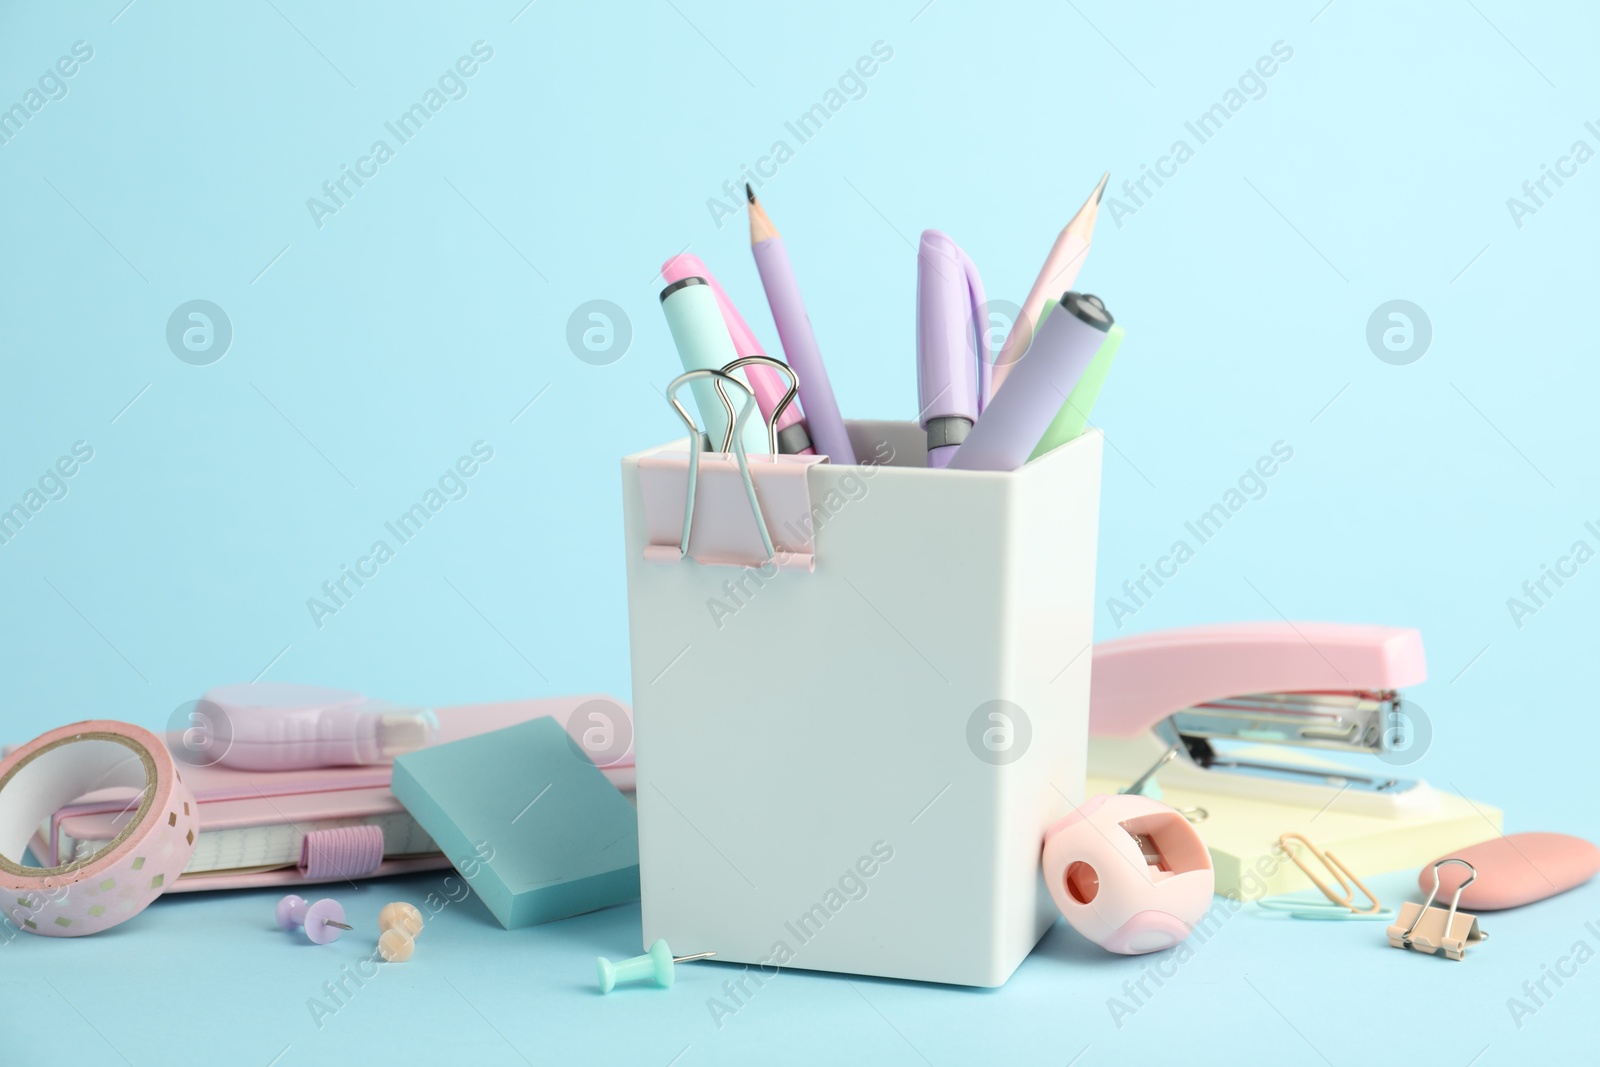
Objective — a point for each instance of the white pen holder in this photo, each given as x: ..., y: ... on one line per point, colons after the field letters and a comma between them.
x: 849, y: 765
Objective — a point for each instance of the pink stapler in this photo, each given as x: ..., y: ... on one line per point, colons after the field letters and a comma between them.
x: 1181, y: 703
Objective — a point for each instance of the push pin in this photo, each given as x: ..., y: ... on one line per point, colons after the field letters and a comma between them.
x: 398, y: 925
x: 323, y: 921
x: 655, y: 965
x: 395, y: 945
x: 400, y: 915
x: 1429, y: 929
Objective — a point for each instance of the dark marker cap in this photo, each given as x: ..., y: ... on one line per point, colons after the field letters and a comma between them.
x: 793, y: 439
x: 680, y: 284
x: 1088, y: 308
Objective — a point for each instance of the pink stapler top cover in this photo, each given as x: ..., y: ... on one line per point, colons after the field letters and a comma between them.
x: 1137, y: 681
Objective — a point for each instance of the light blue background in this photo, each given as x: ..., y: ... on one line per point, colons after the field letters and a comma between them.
x: 428, y: 312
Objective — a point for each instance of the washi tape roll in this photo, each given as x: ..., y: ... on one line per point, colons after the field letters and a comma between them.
x: 92, y: 893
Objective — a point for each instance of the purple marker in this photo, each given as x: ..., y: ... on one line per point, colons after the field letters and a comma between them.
x: 1016, y: 418
x: 952, y: 345
x: 828, y: 434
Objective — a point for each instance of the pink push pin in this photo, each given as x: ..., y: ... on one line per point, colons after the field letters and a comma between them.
x: 323, y: 921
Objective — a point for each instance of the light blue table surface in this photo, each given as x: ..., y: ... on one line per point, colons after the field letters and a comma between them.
x: 376, y: 339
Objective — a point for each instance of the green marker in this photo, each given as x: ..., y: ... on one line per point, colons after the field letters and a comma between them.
x: 701, y: 335
x: 1073, y: 417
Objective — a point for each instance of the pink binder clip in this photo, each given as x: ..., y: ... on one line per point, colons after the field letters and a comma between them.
x: 750, y: 514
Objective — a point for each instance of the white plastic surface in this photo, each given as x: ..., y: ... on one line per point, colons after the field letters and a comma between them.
x: 810, y: 788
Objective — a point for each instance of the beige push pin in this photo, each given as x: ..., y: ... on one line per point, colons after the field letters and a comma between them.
x: 1430, y: 929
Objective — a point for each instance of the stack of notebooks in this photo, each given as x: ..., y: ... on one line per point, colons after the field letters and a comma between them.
x: 253, y: 823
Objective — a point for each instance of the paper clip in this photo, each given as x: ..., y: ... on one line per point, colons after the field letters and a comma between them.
x: 1146, y: 786
x: 736, y: 439
x: 1338, y: 906
x: 777, y: 412
x: 1430, y: 929
x: 1142, y: 785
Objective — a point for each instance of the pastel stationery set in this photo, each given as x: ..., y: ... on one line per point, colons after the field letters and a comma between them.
x: 875, y: 736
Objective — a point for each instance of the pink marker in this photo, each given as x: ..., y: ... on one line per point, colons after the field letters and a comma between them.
x: 767, y: 384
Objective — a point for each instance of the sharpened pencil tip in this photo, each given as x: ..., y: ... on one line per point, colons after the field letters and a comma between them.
x: 1099, y: 190
x: 749, y: 193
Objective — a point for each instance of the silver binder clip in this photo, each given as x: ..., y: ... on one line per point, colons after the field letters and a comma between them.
x: 1429, y: 929
x: 700, y: 507
x: 777, y: 412
x: 734, y: 442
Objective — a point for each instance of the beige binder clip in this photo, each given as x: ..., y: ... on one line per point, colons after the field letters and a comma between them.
x: 1430, y: 929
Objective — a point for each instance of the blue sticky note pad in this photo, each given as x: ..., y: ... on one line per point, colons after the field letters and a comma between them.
x: 528, y: 820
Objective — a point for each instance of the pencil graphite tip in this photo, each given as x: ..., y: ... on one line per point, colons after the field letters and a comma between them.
x: 761, y: 227
x: 750, y: 194
x: 1082, y: 223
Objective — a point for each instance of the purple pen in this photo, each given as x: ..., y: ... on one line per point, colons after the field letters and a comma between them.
x: 1016, y: 417
x: 952, y: 346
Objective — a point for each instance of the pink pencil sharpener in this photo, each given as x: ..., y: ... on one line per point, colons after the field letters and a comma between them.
x: 1128, y: 873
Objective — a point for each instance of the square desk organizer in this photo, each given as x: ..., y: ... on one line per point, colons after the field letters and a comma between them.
x: 848, y: 758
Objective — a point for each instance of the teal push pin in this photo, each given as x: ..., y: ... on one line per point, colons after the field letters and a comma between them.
x: 655, y: 965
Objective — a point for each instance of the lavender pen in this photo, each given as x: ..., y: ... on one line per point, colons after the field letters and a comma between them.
x: 828, y: 434
x: 952, y: 345
x: 1018, y: 415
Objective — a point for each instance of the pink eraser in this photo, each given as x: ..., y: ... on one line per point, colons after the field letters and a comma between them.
x: 1516, y: 869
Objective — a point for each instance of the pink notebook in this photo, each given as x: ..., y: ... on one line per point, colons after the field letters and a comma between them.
x: 266, y: 828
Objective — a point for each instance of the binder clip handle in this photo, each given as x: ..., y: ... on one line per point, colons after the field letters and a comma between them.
x: 735, y: 441
x: 1455, y: 901
x: 777, y: 412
